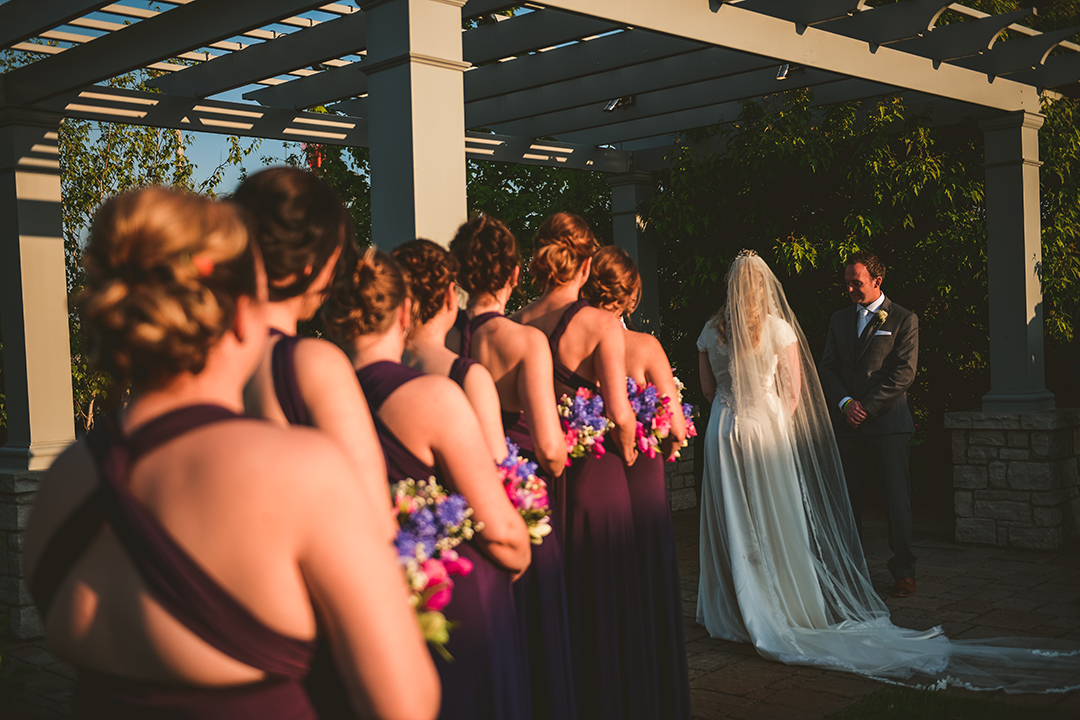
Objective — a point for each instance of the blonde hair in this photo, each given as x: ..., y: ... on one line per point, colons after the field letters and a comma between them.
x: 164, y: 269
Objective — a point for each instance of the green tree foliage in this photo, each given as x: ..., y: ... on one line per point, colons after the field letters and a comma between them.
x: 97, y: 161
x: 807, y: 186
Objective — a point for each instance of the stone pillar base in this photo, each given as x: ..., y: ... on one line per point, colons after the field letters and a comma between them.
x: 1016, y: 477
x: 17, y: 491
x: 681, y: 480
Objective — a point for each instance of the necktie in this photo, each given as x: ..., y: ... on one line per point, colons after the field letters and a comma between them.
x: 864, y: 318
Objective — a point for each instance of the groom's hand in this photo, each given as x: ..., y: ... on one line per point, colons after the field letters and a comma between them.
x: 855, y: 413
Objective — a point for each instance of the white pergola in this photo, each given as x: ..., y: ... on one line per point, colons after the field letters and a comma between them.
x: 423, y: 94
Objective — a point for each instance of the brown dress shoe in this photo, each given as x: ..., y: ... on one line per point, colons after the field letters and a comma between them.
x: 904, y: 587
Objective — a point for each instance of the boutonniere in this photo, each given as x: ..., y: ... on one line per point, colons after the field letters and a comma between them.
x: 880, y: 317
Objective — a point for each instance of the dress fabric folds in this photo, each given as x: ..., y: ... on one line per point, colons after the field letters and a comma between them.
x: 660, y: 592
x: 781, y: 564
x: 485, y: 679
x: 181, y: 586
x: 606, y: 622
x: 540, y: 594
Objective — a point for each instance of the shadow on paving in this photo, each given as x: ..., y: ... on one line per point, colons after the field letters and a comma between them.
x: 972, y: 591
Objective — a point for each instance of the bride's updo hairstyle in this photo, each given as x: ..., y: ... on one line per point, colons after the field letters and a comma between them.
x: 614, y: 281
x: 298, y: 223
x: 365, y: 296
x: 487, y: 253
x: 431, y: 270
x: 164, y: 269
x: 560, y: 246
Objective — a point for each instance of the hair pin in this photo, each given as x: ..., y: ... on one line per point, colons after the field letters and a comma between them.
x: 203, y: 264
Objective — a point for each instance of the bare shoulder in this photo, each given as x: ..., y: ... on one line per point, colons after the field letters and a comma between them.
x: 529, y: 338
x: 317, y: 355
x: 434, y: 390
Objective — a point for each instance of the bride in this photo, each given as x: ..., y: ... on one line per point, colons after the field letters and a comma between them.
x: 781, y: 562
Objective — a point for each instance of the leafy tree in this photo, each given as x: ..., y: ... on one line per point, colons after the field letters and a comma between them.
x: 97, y: 161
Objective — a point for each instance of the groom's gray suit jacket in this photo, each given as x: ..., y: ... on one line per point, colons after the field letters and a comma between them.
x: 875, y: 368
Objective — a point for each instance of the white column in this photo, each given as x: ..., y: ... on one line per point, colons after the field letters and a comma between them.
x: 1014, y: 260
x: 628, y: 192
x: 417, y: 120
x: 33, y: 293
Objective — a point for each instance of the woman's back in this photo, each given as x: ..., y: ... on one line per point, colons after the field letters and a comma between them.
x: 225, y: 493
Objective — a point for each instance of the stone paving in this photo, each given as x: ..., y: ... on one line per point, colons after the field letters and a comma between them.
x: 972, y: 591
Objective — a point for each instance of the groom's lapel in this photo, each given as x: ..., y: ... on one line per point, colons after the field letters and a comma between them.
x: 868, y: 332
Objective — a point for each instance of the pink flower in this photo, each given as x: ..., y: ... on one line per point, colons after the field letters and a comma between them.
x: 457, y: 565
x: 439, y: 581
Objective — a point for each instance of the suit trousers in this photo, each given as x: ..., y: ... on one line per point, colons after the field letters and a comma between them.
x: 887, y: 456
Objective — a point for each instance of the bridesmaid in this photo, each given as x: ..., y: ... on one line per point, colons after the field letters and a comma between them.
x: 433, y: 275
x: 303, y: 231
x: 615, y: 286
x: 589, y: 351
x: 427, y: 428
x: 519, y: 358
x: 174, y: 557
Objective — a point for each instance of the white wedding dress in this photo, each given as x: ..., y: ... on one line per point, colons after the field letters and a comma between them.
x: 781, y: 563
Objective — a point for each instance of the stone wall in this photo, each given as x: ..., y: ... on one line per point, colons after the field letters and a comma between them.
x: 682, y: 480
x: 1016, y: 477
x: 17, y: 490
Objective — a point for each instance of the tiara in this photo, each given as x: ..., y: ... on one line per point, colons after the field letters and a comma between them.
x: 747, y: 253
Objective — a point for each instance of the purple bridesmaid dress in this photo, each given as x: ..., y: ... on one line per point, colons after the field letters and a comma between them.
x: 659, y: 592
x: 606, y: 624
x: 484, y: 681
x: 182, y: 588
x: 540, y: 593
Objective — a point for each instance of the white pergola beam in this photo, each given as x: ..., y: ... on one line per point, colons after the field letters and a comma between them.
x: 662, y: 102
x: 740, y: 29
x: 602, y: 54
x: 1020, y: 54
x: 162, y: 36
x: 805, y: 12
x: 693, y: 67
x: 24, y: 19
x: 890, y: 23
x: 962, y: 39
x: 325, y: 41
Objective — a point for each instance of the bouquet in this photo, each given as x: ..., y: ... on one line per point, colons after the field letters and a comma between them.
x: 653, y: 415
x: 583, y: 423
x: 527, y: 492
x: 432, y: 522
x: 687, y: 409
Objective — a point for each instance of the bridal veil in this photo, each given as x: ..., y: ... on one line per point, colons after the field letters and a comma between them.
x: 782, y: 563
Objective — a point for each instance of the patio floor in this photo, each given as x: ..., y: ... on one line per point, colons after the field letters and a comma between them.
x: 972, y: 591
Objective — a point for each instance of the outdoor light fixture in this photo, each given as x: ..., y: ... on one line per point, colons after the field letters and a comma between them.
x: 618, y: 103
x: 788, y: 69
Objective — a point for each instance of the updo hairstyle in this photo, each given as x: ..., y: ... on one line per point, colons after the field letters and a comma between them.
x: 614, y: 281
x: 432, y: 270
x: 488, y: 254
x: 299, y: 222
x: 365, y: 295
x: 561, y: 245
x: 164, y: 269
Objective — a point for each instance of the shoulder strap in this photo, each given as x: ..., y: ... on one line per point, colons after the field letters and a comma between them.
x: 379, y: 379
x: 172, y: 576
x: 64, y: 549
x: 286, y: 385
x: 471, y: 327
x: 460, y: 368
x: 563, y: 374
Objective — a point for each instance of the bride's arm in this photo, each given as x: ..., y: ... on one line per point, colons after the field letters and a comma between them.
x: 708, y: 381
x: 794, y: 375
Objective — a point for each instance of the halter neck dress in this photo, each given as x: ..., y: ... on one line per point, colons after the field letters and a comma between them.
x: 606, y: 621
x: 659, y: 591
x: 484, y: 682
x: 180, y: 585
x: 541, y: 592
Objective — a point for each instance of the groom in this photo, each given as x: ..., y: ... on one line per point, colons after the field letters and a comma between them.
x: 868, y: 364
